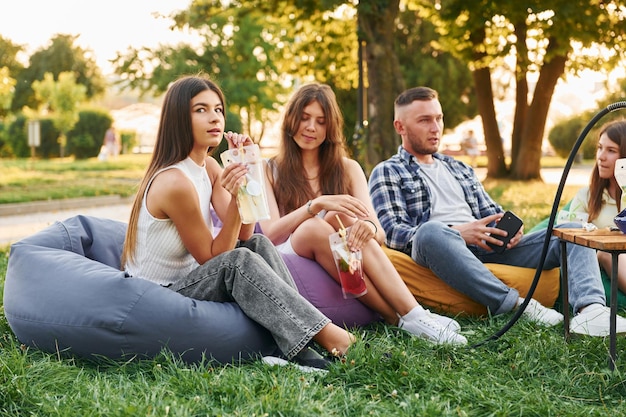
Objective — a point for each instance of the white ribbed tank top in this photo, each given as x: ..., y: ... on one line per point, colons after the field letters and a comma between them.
x: 160, y: 255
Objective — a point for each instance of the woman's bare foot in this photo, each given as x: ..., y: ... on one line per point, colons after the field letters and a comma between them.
x: 334, y: 339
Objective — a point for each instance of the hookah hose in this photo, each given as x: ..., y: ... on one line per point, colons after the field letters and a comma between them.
x: 555, y: 206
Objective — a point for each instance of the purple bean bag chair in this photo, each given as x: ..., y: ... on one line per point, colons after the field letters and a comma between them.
x: 324, y: 292
x: 64, y: 292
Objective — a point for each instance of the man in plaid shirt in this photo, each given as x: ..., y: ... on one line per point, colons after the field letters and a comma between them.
x: 435, y: 209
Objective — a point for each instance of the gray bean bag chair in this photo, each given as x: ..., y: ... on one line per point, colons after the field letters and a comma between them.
x: 64, y: 292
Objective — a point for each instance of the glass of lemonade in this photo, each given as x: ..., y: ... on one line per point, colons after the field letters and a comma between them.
x: 251, y: 198
x: 349, y: 266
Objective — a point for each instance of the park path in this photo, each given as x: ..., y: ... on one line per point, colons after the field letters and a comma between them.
x: 19, y: 223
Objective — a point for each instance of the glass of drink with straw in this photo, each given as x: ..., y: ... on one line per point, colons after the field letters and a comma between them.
x: 349, y: 263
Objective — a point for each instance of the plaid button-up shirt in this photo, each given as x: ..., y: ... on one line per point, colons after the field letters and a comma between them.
x: 402, y: 198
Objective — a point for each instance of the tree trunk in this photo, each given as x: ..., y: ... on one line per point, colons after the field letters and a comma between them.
x: 521, y: 92
x: 377, y: 26
x: 496, y: 165
x: 528, y: 159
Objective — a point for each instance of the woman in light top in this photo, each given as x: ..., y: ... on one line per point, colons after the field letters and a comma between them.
x: 309, y: 182
x: 601, y: 199
x: 170, y: 238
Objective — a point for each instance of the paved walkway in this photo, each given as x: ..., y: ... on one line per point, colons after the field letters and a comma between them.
x: 578, y: 175
x: 14, y: 228
x: 19, y: 221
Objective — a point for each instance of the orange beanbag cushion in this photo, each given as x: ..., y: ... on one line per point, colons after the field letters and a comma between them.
x: 431, y: 291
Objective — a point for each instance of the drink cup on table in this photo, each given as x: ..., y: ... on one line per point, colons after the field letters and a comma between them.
x: 349, y: 265
x: 251, y: 198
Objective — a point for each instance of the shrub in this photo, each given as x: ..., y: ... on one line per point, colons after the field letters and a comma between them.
x: 128, y: 138
x: 17, y: 138
x: 564, y: 134
x: 5, y: 149
x: 85, y: 139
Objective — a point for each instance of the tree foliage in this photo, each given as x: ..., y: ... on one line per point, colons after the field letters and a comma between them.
x: 8, y: 56
x: 548, y: 38
x: 60, y: 56
x: 62, y: 98
x: 564, y: 134
x: 238, y: 51
x: 10, y: 68
x: 424, y: 63
x: 7, y: 86
x: 259, y: 51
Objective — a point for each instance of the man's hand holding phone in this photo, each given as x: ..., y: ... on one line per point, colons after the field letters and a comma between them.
x: 511, y: 224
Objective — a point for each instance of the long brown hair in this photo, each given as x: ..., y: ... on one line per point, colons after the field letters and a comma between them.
x: 291, y: 188
x: 616, y: 132
x: 174, y: 142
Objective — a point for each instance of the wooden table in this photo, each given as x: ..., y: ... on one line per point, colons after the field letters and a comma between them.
x: 605, y: 240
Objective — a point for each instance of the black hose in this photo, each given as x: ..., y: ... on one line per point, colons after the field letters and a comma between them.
x: 555, y: 206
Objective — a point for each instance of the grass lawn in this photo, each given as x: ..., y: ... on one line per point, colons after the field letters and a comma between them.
x: 25, y: 180
x: 530, y: 371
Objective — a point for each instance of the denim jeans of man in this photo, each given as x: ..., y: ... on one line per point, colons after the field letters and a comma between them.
x: 255, y: 277
x: 443, y: 250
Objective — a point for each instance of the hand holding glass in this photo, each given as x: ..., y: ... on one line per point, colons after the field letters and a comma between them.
x: 349, y: 265
x: 251, y: 197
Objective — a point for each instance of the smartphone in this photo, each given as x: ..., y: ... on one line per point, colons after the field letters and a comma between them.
x: 511, y: 224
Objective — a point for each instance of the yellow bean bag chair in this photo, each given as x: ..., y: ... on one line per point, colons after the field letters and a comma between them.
x: 431, y: 291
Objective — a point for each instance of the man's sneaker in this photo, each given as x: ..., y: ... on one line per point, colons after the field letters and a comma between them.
x: 595, y: 320
x: 541, y: 315
x: 445, y: 322
x: 430, y: 329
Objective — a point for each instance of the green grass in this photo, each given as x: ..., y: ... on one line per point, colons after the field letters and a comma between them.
x: 25, y: 180
x: 530, y: 200
x: 530, y: 371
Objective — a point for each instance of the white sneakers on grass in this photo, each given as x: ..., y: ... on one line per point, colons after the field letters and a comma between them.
x: 445, y: 322
x: 594, y: 320
x: 432, y: 327
x: 541, y: 315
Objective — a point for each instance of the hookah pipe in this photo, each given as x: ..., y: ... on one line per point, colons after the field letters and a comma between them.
x: 555, y: 206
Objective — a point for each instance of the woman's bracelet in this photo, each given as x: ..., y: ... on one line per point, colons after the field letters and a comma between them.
x: 373, y: 224
x: 308, y: 208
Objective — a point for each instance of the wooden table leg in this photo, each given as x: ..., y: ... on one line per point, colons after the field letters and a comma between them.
x: 613, y: 322
x: 564, y: 289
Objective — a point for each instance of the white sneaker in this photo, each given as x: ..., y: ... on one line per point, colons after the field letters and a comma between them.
x: 595, y: 320
x: 445, y: 322
x: 541, y: 315
x: 430, y: 329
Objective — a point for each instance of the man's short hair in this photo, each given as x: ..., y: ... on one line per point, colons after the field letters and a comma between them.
x: 415, y: 93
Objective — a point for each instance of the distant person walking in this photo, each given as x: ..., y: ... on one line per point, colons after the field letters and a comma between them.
x: 111, y: 147
x: 469, y: 144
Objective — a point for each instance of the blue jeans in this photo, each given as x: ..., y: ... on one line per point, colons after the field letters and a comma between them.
x: 443, y: 250
x: 255, y: 277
